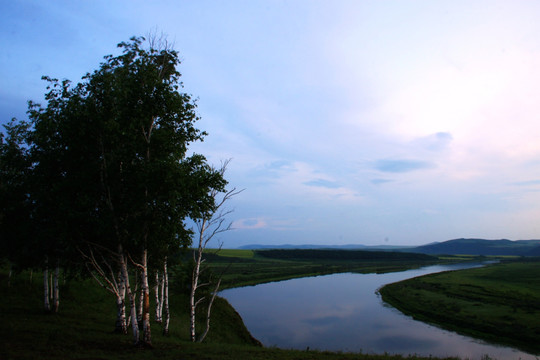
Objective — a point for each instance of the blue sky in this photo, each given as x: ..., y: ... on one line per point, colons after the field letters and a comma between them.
x: 369, y: 122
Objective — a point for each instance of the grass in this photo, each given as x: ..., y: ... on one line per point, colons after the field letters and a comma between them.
x: 234, y: 253
x: 83, y: 329
x: 248, y: 267
x: 499, y: 303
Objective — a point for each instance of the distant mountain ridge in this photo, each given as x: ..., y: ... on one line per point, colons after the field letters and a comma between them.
x: 312, y: 246
x: 482, y: 247
x: 450, y: 247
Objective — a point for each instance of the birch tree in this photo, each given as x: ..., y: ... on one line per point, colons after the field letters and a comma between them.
x: 110, y: 174
x: 210, y: 223
x: 165, y: 299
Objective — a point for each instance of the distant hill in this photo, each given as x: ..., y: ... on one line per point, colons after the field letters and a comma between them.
x: 481, y: 247
x: 311, y: 246
x: 450, y: 247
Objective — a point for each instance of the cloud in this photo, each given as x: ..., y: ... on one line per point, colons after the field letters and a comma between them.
x: 402, y: 165
x: 527, y: 183
x: 250, y: 223
x: 435, y: 142
x: 380, y: 181
x: 279, y: 165
x: 323, y: 183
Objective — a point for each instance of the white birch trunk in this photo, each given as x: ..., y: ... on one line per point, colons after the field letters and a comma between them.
x: 209, y: 310
x: 56, y: 289
x: 192, y: 302
x: 141, y: 297
x: 156, y: 293
x: 133, y: 312
x: 165, y: 299
x: 121, y: 326
x: 147, y: 337
x: 195, y: 283
x: 47, y: 304
x: 162, y: 286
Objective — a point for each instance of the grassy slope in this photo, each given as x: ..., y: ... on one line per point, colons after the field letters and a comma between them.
x: 83, y: 329
x: 499, y: 303
x: 85, y: 322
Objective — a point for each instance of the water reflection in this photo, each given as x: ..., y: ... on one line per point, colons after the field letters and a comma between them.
x: 343, y: 312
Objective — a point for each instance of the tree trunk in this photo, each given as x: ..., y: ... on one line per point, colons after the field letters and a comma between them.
x: 141, y: 297
x: 162, y: 286
x: 208, y: 311
x: 195, y: 283
x: 158, y: 301
x: 192, y: 302
x: 121, y: 326
x: 47, y: 304
x: 56, y: 289
x: 147, y: 337
x: 165, y: 296
x: 133, y: 312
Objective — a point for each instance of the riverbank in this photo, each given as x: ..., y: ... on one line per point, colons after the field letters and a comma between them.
x: 498, y: 303
x: 83, y: 329
x: 252, y: 267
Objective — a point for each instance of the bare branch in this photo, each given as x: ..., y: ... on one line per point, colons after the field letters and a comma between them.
x: 209, y: 225
x: 91, y: 261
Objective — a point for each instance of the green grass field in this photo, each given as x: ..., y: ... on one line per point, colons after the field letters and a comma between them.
x: 499, y: 303
x: 234, y: 253
x: 250, y: 267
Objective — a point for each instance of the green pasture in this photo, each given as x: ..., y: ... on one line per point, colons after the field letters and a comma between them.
x: 234, y: 253
x: 499, y: 303
x: 251, y: 267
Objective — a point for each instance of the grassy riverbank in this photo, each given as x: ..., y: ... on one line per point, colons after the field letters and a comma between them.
x: 251, y: 267
x: 83, y: 329
x: 499, y: 303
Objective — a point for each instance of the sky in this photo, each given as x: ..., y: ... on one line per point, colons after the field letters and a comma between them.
x: 346, y: 122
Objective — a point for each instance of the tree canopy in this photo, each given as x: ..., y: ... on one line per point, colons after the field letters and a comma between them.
x: 103, y: 164
x: 107, y: 158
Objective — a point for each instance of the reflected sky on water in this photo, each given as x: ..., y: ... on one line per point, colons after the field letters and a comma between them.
x: 343, y: 312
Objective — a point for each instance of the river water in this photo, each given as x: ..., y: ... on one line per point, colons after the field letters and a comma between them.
x: 343, y: 312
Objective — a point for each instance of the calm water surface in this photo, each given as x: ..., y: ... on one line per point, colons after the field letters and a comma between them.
x: 344, y: 312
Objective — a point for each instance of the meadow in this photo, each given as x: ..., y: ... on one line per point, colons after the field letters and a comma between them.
x: 83, y: 328
x: 251, y: 267
x: 499, y: 303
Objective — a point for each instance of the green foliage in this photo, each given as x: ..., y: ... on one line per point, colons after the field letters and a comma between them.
x: 105, y: 162
x: 14, y: 201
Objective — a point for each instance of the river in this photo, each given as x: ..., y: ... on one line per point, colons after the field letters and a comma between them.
x: 343, y: 312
